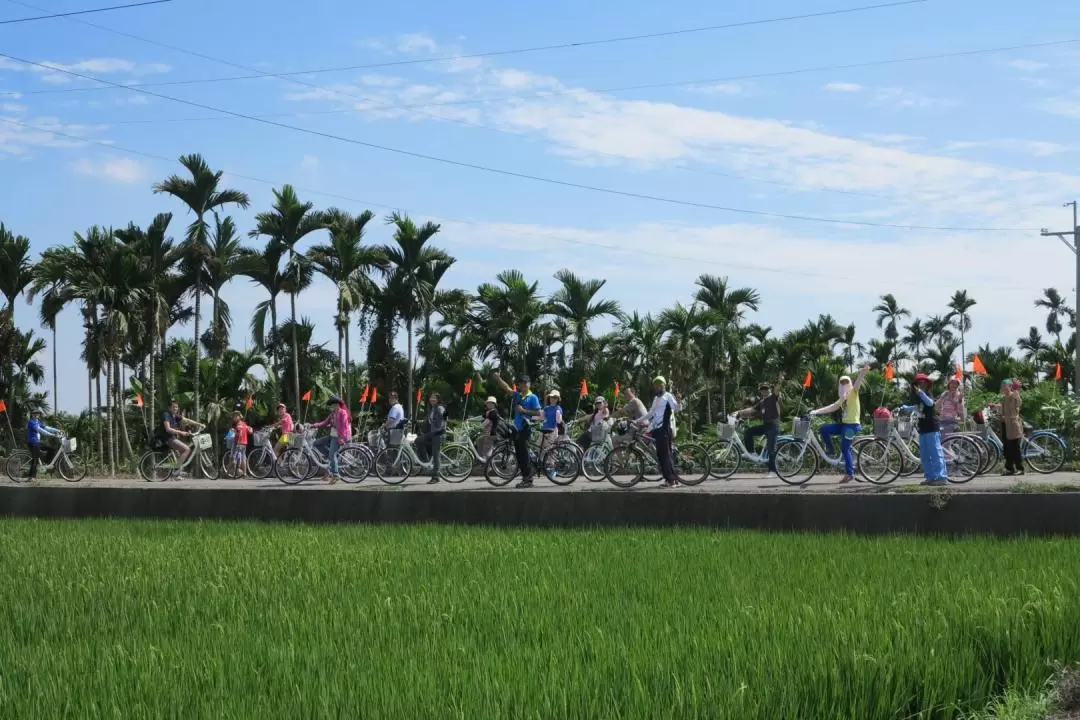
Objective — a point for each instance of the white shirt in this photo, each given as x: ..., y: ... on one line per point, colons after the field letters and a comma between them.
x: 396, y: 415
x: 655, y: 416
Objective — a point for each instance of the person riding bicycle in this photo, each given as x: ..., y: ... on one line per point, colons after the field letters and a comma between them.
x: 931, y: 454
x: 526, y: 406
x: 35, y: 428
x: 660, y: 420
x: 848, y: 427
x: 489, y: 427
x: 951, y: 409
x: 768, y: 409
x: 285, y: 424
x: 171, y: 430
x: 340, y: 432
x: 599, y: 416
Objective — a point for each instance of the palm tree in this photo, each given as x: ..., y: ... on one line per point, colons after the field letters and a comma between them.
x: 1032, y: 345
x: 575, y: 301
x: 938, y: 329
x: 222, y: 265
x: 348, y: 263
x: 288, y: 222
x: 1056, y: 308
x: 852, y: 349
x: 263, y: 267
x: 410, y: 288
x: 725, y: 308
x: 202, y: 194
x: 680, y: 325
x: 959, y: 304
x: 504, y: 316
x: 16, y: 270
x: 916, y: 339
x: 889, y: 314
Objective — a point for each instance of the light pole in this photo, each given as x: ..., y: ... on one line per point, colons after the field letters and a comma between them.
x: 1074, y: 246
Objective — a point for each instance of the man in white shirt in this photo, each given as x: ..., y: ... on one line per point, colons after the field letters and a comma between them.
x: 395, y: 419
x: 660, y: 421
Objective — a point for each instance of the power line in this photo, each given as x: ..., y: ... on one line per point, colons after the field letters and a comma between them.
x: 524, y: 231
x: 83, y: 12
x: 521, y: 175
x: 586, y: 43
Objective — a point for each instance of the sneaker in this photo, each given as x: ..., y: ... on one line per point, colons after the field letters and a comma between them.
x: 332, y: 479
x: 525, y: 484
x: 550, y: 475
x: 668, y: 484
x: 433, y: 481
x: 771, y: 476
x: 845, y: 479
x: 936, y: 482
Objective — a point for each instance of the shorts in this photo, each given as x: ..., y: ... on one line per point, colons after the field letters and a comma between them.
x: 239, y: 451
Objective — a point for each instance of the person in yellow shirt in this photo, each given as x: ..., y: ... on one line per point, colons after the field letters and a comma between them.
x: 848, y: 427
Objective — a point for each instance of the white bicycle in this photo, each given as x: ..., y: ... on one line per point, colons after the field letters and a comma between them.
x: 65, y: 462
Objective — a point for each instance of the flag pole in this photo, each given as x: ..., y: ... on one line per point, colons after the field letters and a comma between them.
x: 7, y: 417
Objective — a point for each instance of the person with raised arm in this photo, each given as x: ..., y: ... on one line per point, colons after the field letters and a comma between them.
x: 848, y: 427
x: 526, y: 406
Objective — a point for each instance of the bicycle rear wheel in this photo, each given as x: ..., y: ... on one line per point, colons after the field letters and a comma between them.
x: 501, y: 465
x: 1044, y: 452
x: 962, y: 458
x: 692, y: 463
x: 561, y: 463
x: 796, y: 462
x: 725, y: 459
x: 878, y: 461
x: 293, y: 466
x: 18, y: 466
x: 393, y: 465
x: 261, y: 462
x: 624, y: 466
x: 354, y: 462
x: 153, y: 466
x: 592, y: 463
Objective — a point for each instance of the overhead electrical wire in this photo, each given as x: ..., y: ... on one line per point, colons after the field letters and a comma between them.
x: 89, y: 11
x: 518, y: 230
x: 521, y: 175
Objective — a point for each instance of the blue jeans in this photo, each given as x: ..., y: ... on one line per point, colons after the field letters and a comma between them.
x: 770, y: 430
x: 334, y: 445
x: 932, y: 456
x: 847, y: 433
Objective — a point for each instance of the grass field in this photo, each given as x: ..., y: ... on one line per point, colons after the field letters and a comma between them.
x: 200, y: 620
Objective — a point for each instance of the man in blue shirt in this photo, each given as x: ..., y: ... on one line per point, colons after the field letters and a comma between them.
x: 526, y: 406
x: 34, y: 430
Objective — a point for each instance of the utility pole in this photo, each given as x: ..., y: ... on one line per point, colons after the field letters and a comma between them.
x: 1075, y: 247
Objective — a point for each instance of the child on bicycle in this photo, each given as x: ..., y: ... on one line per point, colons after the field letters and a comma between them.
x: 553, y: 424
x: 241, y: 436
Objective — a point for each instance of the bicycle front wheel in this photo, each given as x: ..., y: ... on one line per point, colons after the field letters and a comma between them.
x: 153, y: 466
x: 561, y: 463
x: 878, y: 462
x: 796, y: 462
x: 501, y: 466
x: 592, y: 463
x: 1044, y: 452
x: 692, y: 463
x: 455, y: 463
x: 962, y: 458
x: 71, y: 467
x: 393, y: 465
x: 293, y: 466
x: 261, y: 462
x: 625, y: 466
x: 724, y: 460
x: 354, y: 461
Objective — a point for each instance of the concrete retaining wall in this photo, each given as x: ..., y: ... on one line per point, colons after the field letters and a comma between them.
x: 984, y: 513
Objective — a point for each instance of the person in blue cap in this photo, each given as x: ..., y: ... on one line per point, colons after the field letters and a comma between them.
x: 34, y: 430
x: 526, y: 406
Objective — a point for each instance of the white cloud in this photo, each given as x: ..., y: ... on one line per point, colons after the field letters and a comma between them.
x: 1036, y: 148
x: 1027, y: 65
x: 728, y: 88
x: 19, y: 137
x: 1065, y: 106
x: 902, y: 98
x: 376, y: 80
x: 416, y: 42
x: 309, y: 162
x: 93, y: 66
x: 846, y: 87
x: 117, y: 170
x: 12, y: 107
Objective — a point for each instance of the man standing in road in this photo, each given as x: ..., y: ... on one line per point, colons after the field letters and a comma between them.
x: 526, y: 405
x: 659, y: 420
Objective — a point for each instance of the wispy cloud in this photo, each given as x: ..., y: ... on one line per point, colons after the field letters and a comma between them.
x: 93, y: 66
x: 1064, y: 106
x: 415, y: 42
x: 847, y: 87
x: 309, y: 162
x: 1027, y: 65
x: 117, y: 170
x: 902, y: 98
x: 20, y: 139
x: 1035, y: 148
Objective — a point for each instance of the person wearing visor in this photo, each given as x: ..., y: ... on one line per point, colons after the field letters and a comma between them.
x: 848, y: 426
x: 931, y: 453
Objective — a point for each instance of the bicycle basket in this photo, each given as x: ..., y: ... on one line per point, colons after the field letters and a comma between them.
x: 905, y: 427
x: 70, y: 444
x: 882, y: 428
x: 801, y: 429
x: 296, y: 439
x: 461, y: 436
x: 725, y: 431
x: 261, y: 437
x: 203, y: 441
x: 599, y: 433
x: 396, y: 436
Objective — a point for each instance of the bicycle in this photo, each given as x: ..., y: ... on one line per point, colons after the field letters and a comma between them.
x: 891, y: 449
x: 67, y: 464
x: 262, y: 456
x: 729, y: 451
x: 160, y: 464
x: 395, y: 463
x: 302, y: 460
x: 1043, y: 450
x: 791, y: 453
x: 502, y: 466
x: 636, y: 457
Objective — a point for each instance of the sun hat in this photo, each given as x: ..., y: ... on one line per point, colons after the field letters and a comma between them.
x: 491, y: 399
x: 659, y: 380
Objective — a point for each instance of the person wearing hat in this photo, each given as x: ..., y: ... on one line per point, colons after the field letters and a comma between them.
x: 285, y: 424
x: 553, y: 424
x: 1012, y: 430
x: 526, y: 407
x: 847, y: 427
x: 599, y: 416
x: 931, y: 454
x: 35, y: 428
x: 490, y: 427
x: 768, y: 409
x: 951, y: 407
x: 659, y: 421
x: 340, y: 432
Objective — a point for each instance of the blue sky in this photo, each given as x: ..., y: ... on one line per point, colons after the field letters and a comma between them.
x: 972, y: 142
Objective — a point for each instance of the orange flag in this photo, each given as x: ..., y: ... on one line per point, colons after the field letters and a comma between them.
x: 419, y: 394
x: 374, y: 395
x: 890, y: 372
x: 249, y: 403
x: 809, y: 380
x: 3, y: 406
x: 977, y: 366
x: 364, y: 397
x: 468, y: 386
x: 616, y: 389
x: 1057, y: 371
x: 959, y: 374
x: 584, y: 388
x: 138, y: 401
x: 306, y: 396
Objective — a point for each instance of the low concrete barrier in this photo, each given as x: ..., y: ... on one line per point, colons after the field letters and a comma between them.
x: 1003, y: 514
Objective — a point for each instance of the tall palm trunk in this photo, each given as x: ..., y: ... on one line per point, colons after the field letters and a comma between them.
x: 89, y: 394
x: 409, y: 332
x: 348, y: 369
x: 295, y: 351
x: 273, y: 322
x: 723, y: 374
x: 111, y: 435
x: 122, y: 407
x: 152, y: 377
x: 100, y: 422
x: 215, y: 349
x: 341, y: 361
x: 55, y: 386
x: 198, y: 353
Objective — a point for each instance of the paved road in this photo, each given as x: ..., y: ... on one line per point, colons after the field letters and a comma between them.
x: 745, y: 483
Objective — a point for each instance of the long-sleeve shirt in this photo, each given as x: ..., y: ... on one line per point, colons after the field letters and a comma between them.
x: 338, y: 420
x: 927, y: 417
x: 1010, y: 416
x: 635, y: 410
x: 663, y: 407
x: 850, y: 403
x: 951, y: 406
x: 35, y: 429
x: 437, y: 420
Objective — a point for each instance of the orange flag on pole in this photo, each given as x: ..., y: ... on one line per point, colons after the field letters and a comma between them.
x: 364, y: 396
x: 138, y: 401
x: 977, y: 366
x: 890, y: 372
x: 616, y: 389
x: 809, y: 380
x: 1057, y: 371
x: 3, y: 406
x: 584, y: 388
x: 959, y: 374
x: 419, y: 394
x: 306, y: 396
x: 374, y: 395
x: 468, y: 386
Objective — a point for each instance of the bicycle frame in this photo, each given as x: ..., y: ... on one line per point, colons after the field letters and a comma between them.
x: 736, y: 441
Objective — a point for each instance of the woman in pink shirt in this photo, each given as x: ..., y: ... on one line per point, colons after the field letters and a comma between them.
x: 285, y: 424
x: 340, y: 432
